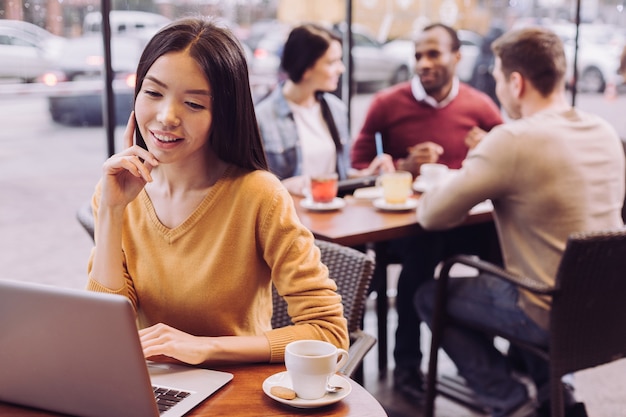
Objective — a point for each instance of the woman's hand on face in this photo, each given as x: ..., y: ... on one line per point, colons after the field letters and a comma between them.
x: 124, y: 174
x: 163, y: 340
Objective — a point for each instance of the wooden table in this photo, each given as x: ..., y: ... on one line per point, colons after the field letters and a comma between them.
x: 360, y: 223
x: 244, y: 396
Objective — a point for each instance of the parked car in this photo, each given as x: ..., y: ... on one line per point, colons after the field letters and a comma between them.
x: 471, y: 43
x: 470, y: 49
x: 599, y: 50
x: 76, y: 80
x: 266, y: 43
x: 125, y: 22
x: 373, y: 64
x: 26, y: 50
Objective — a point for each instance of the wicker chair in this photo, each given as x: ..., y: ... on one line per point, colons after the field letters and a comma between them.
x: 352, y: 271
x: 588, y: 315
x: 84, y: 214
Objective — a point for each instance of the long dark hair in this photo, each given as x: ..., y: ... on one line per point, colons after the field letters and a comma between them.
x: 234, y: 136
x: 305, y: 45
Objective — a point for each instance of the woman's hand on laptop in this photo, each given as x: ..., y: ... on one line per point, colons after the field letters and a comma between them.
x: 163, y: 340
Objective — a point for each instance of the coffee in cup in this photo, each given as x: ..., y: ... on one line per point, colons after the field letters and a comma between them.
x: 310, y: 363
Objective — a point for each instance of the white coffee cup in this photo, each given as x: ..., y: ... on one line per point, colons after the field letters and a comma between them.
x: 310, y: 363
x: 432, y: 174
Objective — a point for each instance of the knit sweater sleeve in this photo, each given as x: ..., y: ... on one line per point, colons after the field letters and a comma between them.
x: 301, y: 279
x: 93, y: 285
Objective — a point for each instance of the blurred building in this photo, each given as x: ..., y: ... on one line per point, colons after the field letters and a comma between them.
x: 386, y: 19
x: 389, y: 19
x: 65, y: 17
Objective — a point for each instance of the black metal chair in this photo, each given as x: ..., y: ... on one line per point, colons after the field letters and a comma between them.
x: 352, y: 271
x: 624, y: 145
x: 588, y: 315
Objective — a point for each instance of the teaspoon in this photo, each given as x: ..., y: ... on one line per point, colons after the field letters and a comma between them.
x: 331, y: 389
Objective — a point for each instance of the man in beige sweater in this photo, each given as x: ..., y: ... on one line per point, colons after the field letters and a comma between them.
x: 553, y: 171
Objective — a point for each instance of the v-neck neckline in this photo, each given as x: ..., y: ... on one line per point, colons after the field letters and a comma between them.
x: 173, y: 233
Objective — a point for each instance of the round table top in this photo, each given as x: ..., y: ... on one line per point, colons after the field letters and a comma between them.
x: 244, y: 396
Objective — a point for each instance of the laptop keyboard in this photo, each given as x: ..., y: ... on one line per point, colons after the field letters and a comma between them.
x: 168, y: 398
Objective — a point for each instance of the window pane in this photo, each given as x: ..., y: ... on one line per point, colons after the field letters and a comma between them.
x: 53, y: 142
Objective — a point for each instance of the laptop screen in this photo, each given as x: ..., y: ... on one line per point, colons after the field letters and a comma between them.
x: 78, y: 352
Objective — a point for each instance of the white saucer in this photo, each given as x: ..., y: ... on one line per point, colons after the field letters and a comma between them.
x: 368, y: 193
x: 284, y: 380
x: 336, y: 204
x: 381, y: 204
x: 419, y: 186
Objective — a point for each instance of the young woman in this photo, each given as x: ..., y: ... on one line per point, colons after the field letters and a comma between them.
x: 305, y: 128
x: 192, y: 228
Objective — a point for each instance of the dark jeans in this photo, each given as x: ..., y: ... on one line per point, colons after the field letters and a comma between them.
x: 492, y: 304
x: 419, y: 256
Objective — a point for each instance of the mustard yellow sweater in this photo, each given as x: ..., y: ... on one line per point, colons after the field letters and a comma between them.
x: 212, y: 275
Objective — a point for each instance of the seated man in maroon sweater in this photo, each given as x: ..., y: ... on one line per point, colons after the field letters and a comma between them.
x: 431, y: 118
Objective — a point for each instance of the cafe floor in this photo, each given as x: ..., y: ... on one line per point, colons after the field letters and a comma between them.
x: 602, y: 389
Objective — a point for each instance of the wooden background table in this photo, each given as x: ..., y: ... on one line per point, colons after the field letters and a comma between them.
x: 360, y: 223
x: 244, y: 397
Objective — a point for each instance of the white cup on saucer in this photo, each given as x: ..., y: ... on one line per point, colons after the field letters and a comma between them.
x: 310, y: 363
x: 432, y: 174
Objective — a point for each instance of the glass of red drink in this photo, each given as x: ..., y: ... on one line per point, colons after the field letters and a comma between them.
x: 324, y: 187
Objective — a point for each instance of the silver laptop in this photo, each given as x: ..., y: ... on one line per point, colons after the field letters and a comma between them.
x: 78, y: 352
